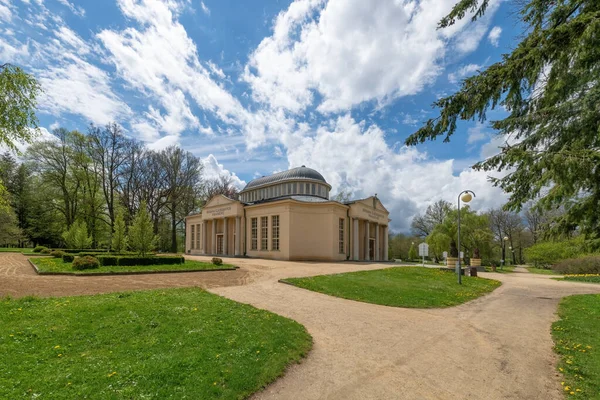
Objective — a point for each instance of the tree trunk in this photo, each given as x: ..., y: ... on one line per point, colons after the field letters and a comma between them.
x: 173, y: 229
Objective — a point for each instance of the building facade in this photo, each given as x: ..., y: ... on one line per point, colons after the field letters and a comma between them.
x: 289, y: 216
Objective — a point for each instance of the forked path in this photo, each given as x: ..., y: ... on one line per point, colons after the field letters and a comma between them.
x: 496, y: 347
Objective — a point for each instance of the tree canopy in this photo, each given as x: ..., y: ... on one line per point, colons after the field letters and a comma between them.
x: 549, y: 86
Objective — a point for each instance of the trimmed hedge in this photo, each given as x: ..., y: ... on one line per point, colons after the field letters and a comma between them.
x: 77, y: 251
x: 217, y: 261
x: 130, y: 261
x: 46, y: 251
x: 57, y: 253
x: 68, y: 258
x: 582, y: 265
x: 38, y: 249
x: 86, y: 262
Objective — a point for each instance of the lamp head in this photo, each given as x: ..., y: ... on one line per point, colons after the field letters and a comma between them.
x: 466, y: 197
x: 505, y: 238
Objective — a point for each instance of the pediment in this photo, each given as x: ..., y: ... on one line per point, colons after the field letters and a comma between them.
x: 219, y: 200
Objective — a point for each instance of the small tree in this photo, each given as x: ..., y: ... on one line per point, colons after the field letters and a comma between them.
x: 76, y: 237
x: 412, y: 253
x: 119, y: 240
x: 141, y: 235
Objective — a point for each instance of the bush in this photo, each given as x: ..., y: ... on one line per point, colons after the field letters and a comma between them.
x: 77, y: 251
x: 38, y: 249
x: 46, y: 251
x: 546, y: 254
x: 132, y: 261
x: 583, y: 265
x: 217, y: 261
x: 57, y: 253
x: 87, y: 262
x: 68, y: 258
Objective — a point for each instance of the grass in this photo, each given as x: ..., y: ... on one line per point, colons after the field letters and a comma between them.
x: 542, y: 271
x: 47, y: 264
x: 577, y: 342
x: 15, y: 250
x: 591, y: 278
x: 503, y: 270
x: 175, y: 343
x: 413, y: 287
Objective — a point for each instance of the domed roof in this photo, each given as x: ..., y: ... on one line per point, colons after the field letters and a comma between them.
x: 294, y: 174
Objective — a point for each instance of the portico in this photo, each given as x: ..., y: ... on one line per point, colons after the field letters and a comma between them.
x: 369, y: 230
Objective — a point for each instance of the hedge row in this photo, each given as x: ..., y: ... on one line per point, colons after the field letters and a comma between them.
x: 135, y: 260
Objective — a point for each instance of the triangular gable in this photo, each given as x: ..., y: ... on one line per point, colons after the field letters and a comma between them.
x: 369, y: 202
x: 219, y: 200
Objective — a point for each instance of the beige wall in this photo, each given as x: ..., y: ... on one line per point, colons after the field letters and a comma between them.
x: 282, y: 209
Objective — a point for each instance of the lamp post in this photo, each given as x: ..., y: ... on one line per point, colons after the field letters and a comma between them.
x: 466, y: 196
x: 503, y: 261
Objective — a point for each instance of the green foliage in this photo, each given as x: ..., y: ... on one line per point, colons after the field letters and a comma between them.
x: 545, y: 254
x: 550, y: 86
x: 86, y: 262
x: 119, y: 238
x: 77, y: 236
x: 18, y: 122
x: 57, y: 253
x: 46, y: 251
x: 399, y: 287
x: 589, y: 264
x: 217, y: 261
x: 136, y: 345
x: 109, y: 260
x: 68, y: 258
x: 10, y: 233
x: 576, y: 341
x: 38, y: 249
x: 412, y: 252
x: 141, y: 234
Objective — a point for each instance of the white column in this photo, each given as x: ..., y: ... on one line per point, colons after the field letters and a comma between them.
x: 214, y: 235
x: 238, y: 235
x: 225, y: 235
x: 367, y: 240
x: 377, y: 255
x: 204, y: 241
x: 385, y: 243
x: 355, y: 239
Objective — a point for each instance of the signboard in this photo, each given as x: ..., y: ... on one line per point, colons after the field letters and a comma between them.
x: 445, y: 254
x: 424, y: 250
x: 462, y: 254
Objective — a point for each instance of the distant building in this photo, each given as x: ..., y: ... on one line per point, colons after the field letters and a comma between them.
x: 288, y: 216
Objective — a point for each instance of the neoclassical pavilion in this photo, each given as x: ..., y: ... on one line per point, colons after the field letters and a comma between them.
x: 289, y: 216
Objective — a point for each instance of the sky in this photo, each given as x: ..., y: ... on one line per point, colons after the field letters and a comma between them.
x: 256, y: 87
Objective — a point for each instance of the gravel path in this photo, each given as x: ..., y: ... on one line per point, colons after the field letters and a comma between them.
x: 496, y: 347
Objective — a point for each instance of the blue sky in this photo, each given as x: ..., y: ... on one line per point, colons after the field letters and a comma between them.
x: 255, y: 87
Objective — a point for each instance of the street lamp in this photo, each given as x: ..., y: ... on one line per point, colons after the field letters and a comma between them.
x: 503, y: 261
x: 466, y: 196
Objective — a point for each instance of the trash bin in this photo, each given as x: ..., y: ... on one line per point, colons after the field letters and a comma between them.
x: 473, y: 271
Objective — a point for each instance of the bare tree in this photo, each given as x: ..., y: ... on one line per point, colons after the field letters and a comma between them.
x: 221, y: 185
x: 423, y: 225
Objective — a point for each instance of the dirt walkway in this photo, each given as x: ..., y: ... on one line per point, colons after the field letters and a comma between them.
x: 496, y: 347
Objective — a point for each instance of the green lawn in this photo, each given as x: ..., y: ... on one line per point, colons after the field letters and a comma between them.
x: 591, y: 278
x: 175, y: 343
x: 414, y: 287
x: 48, y: 264
x: 542, y: 271
x: 578, y: 344
x: 15, y: 250
x: 502, y: 270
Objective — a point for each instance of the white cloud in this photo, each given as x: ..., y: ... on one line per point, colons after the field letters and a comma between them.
x: 5, y: 13
x: 406, y: 180
x: 205, y: 9
x: 164, y: 142
x: 494, y: 35
x: 463, y: 72
x: 352, y: 51
x: 476, y: 133
x: 213, y: 170
x: 70, y: 38
x: 77, y: 10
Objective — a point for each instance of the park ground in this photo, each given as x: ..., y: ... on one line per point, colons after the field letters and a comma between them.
x: 496, y: 347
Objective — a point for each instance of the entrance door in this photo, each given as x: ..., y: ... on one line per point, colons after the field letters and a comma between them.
x: 371, y: 249
x: 220, y: 244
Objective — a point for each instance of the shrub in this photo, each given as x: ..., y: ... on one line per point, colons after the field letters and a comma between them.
x: 217, y: 261
x: 87, y: 262
x: 77, y: 251
x: 77, y: 235
x: 546, y: 254
x: 582, y: 265
x: 68, y: 258
x: 132, y: 261
x: 57, y: 253
x: 46, y: 251
x: 38, y: 249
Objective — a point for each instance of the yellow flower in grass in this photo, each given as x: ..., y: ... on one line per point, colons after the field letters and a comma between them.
x: 57, y: 347
x: 569, y: 362
x: 567, y: 388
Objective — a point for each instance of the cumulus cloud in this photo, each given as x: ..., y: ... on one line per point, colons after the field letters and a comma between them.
x: 476, y: 133
x: 463, y: 72
x: 494, y: 35
x: 214, y: 170
x: 352, y: 51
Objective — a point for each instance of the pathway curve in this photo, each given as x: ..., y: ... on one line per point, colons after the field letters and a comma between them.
x: 495, y: 347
